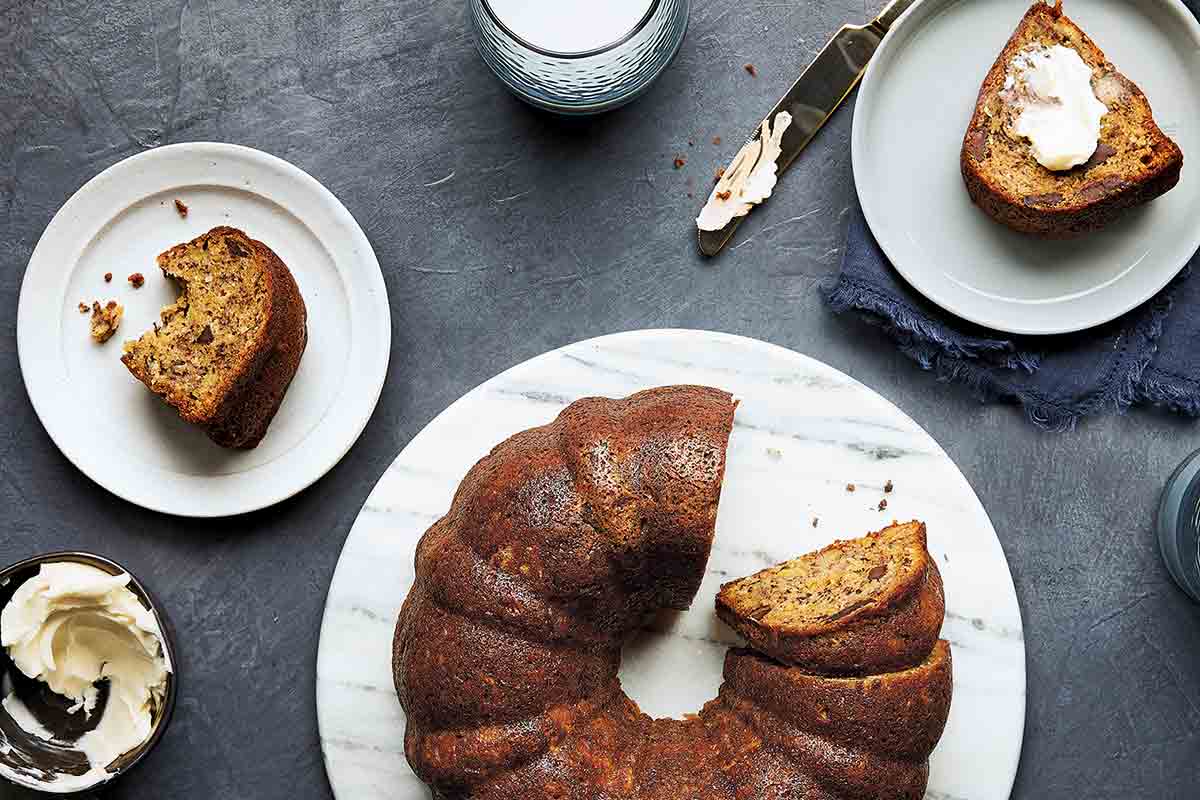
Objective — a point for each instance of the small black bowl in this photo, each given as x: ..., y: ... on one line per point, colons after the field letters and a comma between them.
x: 25, y: 759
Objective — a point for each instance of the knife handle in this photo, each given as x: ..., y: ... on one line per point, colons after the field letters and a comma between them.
x: 891, y: 12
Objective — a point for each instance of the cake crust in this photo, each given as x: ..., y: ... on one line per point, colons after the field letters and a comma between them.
x: 1134, y: 162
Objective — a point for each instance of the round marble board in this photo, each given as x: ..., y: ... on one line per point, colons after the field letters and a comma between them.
x: 802, y: 433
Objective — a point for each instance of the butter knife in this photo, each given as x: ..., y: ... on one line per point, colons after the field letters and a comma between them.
x: 817, y: 93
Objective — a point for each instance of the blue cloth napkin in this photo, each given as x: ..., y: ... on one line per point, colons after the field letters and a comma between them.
x: 1149, y: 356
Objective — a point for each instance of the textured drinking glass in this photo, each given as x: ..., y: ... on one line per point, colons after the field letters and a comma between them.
x: 1179, y: 525
x: 578, y: 56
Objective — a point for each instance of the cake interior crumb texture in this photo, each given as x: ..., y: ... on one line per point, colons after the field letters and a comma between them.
x: 825, y: 587
x: 193, y: 355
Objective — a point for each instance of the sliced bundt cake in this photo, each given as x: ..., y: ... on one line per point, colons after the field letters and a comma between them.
x: 228, y: 348
x: 1127, y: 160
x: 558, y: 546
x: 868, y: 605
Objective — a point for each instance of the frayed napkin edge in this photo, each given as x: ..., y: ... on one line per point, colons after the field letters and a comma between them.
x: 924, y: 343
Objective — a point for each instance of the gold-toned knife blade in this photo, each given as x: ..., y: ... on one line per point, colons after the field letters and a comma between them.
x: 815, y: 95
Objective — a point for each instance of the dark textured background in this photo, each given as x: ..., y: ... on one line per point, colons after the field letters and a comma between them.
x: 549, y: 232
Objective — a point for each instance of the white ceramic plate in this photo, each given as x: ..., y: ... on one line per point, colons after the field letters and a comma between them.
x: 802, y: 432
x: 105, y: 421
x: 912, y: 112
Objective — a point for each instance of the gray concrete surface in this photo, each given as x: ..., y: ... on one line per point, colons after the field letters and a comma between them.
x: 549, y: 232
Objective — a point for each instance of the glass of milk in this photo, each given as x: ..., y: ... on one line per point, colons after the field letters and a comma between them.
x: 578, y: 56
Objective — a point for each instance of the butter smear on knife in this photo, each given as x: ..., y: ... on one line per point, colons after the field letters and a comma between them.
x: 749, y: 180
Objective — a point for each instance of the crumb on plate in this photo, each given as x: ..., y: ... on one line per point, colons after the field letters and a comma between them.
x: 137, y: 280
x: 105, y: 320
x: 181, y: 208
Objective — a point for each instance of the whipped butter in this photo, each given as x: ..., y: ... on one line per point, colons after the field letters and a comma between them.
x: 1059, y: 112
x: 72, y: 626
x: 749, y: 180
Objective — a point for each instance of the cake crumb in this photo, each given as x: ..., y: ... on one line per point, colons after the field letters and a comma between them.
x: 724, y: 195
x: 679, y: 162
x: 816, y: 522
x: 752, y: 70
x: 850, y: 487
x: 106, y: 320
x: 181, y: 208
x: 108, y: 277
x: 691, y: 143
x: 720, y: 173
x: 137, y: 280
x: 883, y: 504
x: 888, y: 487
x: 716, y: 140
x: 83, y: 308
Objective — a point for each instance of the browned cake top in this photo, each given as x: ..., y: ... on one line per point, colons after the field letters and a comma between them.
x: 196, y: 356
x: 1131, y: 148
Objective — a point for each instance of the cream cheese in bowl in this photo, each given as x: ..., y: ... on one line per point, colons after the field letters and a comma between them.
x: 87, y: 679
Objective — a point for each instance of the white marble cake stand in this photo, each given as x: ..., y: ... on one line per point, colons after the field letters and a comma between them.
x: 803, y: 432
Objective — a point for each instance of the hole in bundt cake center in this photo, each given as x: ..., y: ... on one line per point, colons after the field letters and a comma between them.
x: 672, y: 666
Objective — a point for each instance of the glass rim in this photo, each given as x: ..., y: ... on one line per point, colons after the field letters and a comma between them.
x: 641, y: 23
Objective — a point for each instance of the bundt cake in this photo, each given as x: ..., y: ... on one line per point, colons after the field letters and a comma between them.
x: 558, y: 545
x: 870, y: 605
x: 229, y: 346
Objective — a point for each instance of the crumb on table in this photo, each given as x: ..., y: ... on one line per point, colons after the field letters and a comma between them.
x: 679, y: 162
x: 720, y: 173
x: 181, y: 208
x: 137, y: 280
x: 716, y: 140
x: 752, y: 70
x: 105, y: 320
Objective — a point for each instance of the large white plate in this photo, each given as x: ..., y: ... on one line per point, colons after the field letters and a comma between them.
x: 803, y: 431
x: 912, y: 112
x: 105, y: 421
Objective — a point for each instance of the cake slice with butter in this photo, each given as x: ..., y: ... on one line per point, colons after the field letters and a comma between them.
x: 1061, y: 143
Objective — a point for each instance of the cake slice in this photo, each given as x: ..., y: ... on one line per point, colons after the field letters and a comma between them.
x: 1004, y: 166
x: 228, y: 348
x: 868, y: 605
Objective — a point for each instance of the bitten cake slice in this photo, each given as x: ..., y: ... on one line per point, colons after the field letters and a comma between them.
x: 1032, y: 157
x: 228, y: 348
x: 873, y: 604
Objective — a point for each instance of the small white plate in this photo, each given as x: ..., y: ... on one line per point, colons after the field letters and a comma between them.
x: 105, y: 421
x: 802, y: 432
x: 916, y: 100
